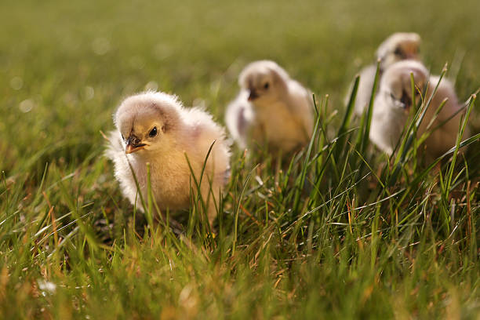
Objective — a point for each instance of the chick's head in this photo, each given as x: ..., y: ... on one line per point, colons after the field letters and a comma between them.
x: 265, y: 81
x: 396, y: 85
x: 146, y: 121
x: 399, y: 46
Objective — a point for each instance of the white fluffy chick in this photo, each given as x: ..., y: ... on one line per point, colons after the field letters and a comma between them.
x: 393, y: 103
x: 399, y: 46
x: 154, y: 128
x: 271, y: 109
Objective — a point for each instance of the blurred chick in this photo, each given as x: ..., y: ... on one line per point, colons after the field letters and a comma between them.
x: 271, y: 109
x: 399, y: 46
x: 393, y: 104
x: 154, y: 128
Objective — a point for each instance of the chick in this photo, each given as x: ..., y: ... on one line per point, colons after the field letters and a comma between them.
x: 399, y: 46
x: 154, y: 128
x: 394, y: 101
x: 271, y: 109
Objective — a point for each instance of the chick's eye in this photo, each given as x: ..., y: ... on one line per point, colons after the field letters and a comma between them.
x: 397, y: 52
x: 153, y: 132
x: 266, y: 85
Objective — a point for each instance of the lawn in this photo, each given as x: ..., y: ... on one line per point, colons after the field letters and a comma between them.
x: 340, y: 232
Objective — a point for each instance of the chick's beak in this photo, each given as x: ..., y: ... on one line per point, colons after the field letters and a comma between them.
x: 133, y: 144
x: 253, y: 95
x: 406, y: 100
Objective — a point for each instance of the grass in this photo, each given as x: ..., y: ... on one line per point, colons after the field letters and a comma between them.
x: 341, y: 232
